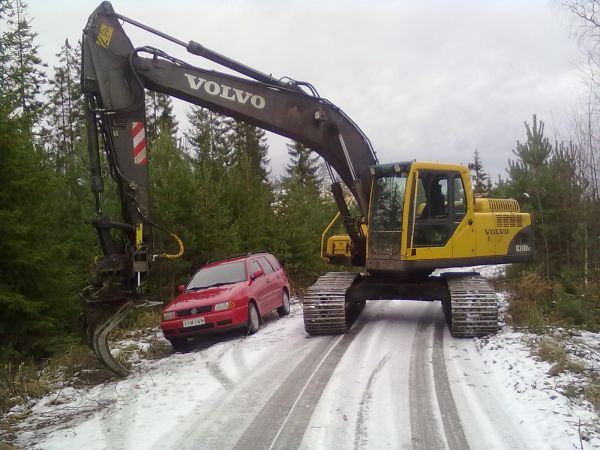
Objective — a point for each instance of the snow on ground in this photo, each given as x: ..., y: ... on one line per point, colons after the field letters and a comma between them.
x: 548, y: 418
x: 136, y: 412
x: 140, y: 411
x: 551, y: 407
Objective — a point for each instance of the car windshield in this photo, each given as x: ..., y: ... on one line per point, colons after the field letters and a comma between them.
x: 217, y: 275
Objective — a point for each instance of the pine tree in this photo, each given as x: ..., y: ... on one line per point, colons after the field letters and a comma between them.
x: 545, y: 181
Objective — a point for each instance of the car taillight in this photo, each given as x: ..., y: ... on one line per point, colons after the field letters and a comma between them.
x: 169, y: 315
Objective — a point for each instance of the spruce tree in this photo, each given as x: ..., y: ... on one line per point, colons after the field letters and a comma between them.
x: 303, y: 210
x: 481, y: 182
x: 252, y: 192
x: 304, y: 166
x: 249, y: 148
x: 159, y: 115
x: 38, y: 279
x: 24, y: 70
x: 207, y: 136
x: 191, y: 199
x: 64, y: 114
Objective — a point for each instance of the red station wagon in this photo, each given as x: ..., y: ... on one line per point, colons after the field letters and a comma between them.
x: 226, y: 294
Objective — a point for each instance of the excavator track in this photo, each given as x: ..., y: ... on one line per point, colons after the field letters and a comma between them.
x: 325, y: 307
x: 472, y: 309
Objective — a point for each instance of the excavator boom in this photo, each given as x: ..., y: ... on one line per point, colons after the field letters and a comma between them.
x: 115, y: 75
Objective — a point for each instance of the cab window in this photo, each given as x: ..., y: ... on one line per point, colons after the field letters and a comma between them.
x: 460, y: 199
x: 440, y: 205
x: 431, y: 218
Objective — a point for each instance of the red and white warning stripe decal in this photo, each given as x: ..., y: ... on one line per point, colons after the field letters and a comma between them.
x: 138, y: 133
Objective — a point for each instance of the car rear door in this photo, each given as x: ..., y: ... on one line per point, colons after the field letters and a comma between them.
x: 260, y: 288
x: 279, y: 272
x: 274, y: 299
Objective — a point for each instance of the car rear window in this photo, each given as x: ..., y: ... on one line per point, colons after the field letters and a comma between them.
x: 266, y: 265
x: 227, y: 273
x: 273, y: 262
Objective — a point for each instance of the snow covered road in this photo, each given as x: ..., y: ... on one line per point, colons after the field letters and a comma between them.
x: 397, y: 379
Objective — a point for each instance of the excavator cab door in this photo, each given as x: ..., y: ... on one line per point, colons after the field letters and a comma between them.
x: 438, y: 206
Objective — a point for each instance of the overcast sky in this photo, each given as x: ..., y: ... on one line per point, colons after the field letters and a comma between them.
x: 428, y: 80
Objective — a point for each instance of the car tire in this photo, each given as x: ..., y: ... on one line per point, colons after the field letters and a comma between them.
x: 179, y: 344
x: 284, y: 309
x: 253, y: 319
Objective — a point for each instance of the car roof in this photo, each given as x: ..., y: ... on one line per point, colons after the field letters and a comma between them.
x: 234, y: 258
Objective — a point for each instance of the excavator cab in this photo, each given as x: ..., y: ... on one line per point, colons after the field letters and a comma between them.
x: 423, y: 216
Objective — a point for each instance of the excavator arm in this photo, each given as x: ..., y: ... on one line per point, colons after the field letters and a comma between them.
x: 115, y: 75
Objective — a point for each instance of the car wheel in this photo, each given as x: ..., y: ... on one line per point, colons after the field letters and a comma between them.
x: 179, y: 344
x: 284, y: 309
x: 253, y: 319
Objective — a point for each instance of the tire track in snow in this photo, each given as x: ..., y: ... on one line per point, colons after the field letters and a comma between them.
x: 215, y: 370
x: 282, y: 421
x: 424, y: 431
x: 360, y: 434
x: 453, y: 429
x: 217, y: 421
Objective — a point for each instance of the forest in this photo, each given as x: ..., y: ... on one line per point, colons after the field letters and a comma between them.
x: 211, y: 185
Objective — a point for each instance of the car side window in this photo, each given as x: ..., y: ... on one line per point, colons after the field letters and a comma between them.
x: 254, y: 266
x: 273, y: 262
x: 266, y: 265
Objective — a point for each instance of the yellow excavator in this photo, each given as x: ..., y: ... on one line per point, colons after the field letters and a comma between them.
x: 413, y: 217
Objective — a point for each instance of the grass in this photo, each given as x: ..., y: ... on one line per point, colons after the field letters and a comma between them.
x: 529, y: 297
x: 75, y: 364
x: 550, y: 350
x: 592, y: 392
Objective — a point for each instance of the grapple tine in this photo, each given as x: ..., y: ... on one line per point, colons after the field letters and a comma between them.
x: 99, y: 319
x: 100, y: 340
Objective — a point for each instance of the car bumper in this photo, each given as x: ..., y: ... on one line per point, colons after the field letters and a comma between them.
x: 213, y: 322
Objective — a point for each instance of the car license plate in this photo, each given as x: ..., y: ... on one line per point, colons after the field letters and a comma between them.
x: 193, y: 322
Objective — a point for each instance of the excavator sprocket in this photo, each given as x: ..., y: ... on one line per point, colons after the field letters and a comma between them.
x: 325, y: 306
x: 472, y: 309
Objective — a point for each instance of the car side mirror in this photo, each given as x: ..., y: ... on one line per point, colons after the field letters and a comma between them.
x: 258, y: 273
x: 181, y: 288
